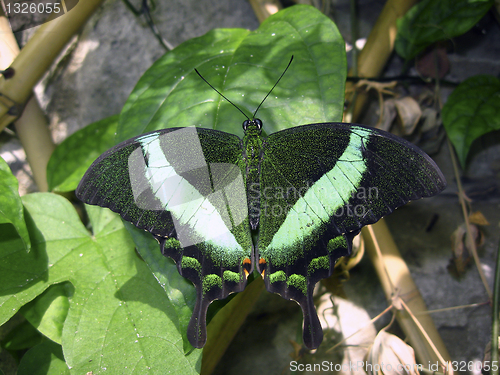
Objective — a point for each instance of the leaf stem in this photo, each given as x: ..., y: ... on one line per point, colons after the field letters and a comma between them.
x: 469, y: 238
x: 354, y: 36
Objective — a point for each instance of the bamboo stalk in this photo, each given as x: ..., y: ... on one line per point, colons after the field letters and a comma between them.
x: 265, y: 8
x: 32, y: 127
x: 378, y: 48
x: 39, y: 53
x: 29, y: 65
x: 33, y: 131
x: 8, y: 52
x: 395, y: 278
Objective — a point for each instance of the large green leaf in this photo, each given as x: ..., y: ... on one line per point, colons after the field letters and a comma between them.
x: 75, y: 154
x: 431, y: 21
x: 472, y: 110
x: 11, y: 207
x: 243, y: 65
x: 119, y: 317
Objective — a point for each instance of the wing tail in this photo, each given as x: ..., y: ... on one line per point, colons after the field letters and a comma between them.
x: 197, y: 328
x: 312, y: 333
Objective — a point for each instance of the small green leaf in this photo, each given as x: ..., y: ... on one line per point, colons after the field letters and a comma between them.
x: 244, y: 65
x: 11, y: 207
x: 49, y: 310
x: 75, y: 154
x: 472, y: 110
x: 44, y: 359
x: 431, y: 21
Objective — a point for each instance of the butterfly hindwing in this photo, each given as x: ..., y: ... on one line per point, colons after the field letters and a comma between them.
x: 186, y: 187
x: 320, y: 184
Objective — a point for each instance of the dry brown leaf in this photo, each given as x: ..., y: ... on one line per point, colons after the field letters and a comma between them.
x: 487, y: 364
x: 388, y: 115
x: 461, y: 253
x: 433, y: 63
x: 478, y: 218
x: 381, y: 88
x: 431, y: 119
x: 409, y: 113
x: 389, y: 355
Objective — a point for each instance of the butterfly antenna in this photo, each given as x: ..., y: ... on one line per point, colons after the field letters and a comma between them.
x: 281, y: 76
x: 218, y: 92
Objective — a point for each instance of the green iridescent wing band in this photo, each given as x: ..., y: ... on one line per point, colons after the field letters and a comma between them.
x: 185, y: 186
x: 319, y: 182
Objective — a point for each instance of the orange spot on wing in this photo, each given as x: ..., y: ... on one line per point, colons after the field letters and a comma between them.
x: 262, y: 262
x: 247, y: 263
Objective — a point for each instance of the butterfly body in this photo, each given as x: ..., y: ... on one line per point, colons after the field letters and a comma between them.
x: 252, y: 157
x: 288, y: 204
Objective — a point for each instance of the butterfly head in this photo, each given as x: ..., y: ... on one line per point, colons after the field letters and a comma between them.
x: 252, y: 126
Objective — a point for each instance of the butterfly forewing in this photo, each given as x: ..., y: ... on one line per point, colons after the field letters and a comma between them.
x: 347, y: 174
x: 186, y: 187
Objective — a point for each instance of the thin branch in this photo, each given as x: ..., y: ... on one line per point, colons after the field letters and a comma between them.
x: 362, y: 328
x: 469, y: 237
x: 445, y: 364
x: 495, y: 317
